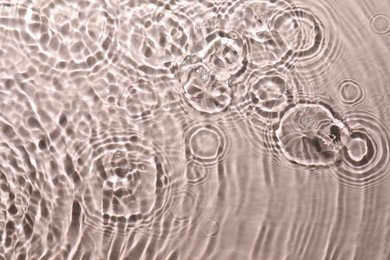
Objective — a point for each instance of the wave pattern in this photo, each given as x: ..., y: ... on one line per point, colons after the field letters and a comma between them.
x: 154, y: 129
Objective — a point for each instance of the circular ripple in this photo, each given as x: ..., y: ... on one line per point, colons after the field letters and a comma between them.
x: 210, y: 228
x: 206, y: 144
x: 380, y: 103
x: 140, y: 100
x: 197, y: 174
x: 309, y: 133
x: 365, y: 157
x: 125, y: 176
x: 201, y: 91
x: 267, y: 92
x: 215, y: 59
x: 302, y: 30
x: 350, y: 91
x: 222, y: 49
x: 314, y: 41
x: 183, y: 205
x: 380, y: 23
x: 187, y: 207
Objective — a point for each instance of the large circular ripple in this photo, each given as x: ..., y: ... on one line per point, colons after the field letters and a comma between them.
x: 302, y: 30
x: 365, y: 157
x: 126, y: 177
x: 309, y: 133
x: 314, y: 43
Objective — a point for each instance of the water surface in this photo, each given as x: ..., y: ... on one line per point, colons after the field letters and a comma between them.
x: 194, y: 130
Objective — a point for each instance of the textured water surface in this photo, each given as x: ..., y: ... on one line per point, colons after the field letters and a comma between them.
x: 179, y: 129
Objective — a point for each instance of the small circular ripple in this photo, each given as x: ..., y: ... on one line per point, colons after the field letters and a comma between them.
x: 126, y: 177
x: 209, y: 227
x: 380, y: 103
x: 350, y: 91
x: 186, y: 208
x: 380, y: 23
x: 206, y: 144
x: 140, y: 101
x: 365, y: 157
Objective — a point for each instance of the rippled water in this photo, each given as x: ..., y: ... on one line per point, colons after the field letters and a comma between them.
x: 194, y: 130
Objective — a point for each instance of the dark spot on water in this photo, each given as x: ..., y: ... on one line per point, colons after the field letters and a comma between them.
x: 12, y: 209
x: 8, y: 130
x: 68, y: 164
x: 10, y: 227
x: 28, y: 225
x: 63, y: 121
x: 42, y: 144
x: 336, y: 132
x: 148, y: 52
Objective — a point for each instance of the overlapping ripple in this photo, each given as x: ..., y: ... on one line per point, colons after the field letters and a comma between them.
x: 187, y: 130
x: 309, y: 133
x: 29, y: 205
x: 365, y: 156
x: 206, y: 146
x: 124, y: 175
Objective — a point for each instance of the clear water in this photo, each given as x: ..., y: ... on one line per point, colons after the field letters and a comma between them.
x: 194, y: 130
